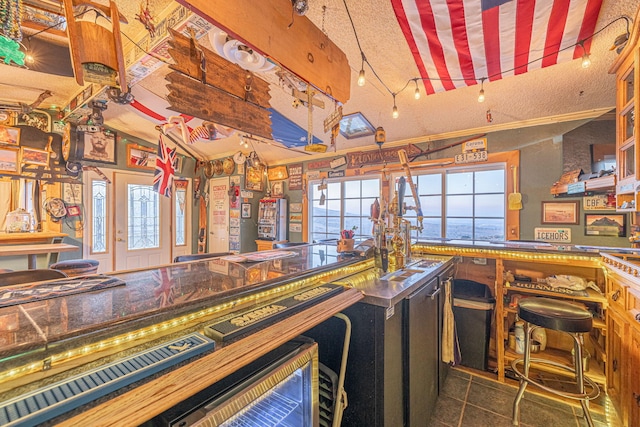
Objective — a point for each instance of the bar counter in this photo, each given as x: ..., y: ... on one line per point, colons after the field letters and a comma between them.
x: 45, y: 340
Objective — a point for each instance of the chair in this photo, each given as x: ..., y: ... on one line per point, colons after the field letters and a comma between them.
x: 195, y: 257
x: 77, y: 267
x: 53, y: 256
x: 288, y: 244
x: 564, y: 317
x: 28, y: 276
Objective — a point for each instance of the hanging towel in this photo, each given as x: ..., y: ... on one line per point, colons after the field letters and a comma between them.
x: 450, y: 345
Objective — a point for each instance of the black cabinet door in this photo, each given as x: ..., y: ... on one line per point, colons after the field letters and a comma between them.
x: 421, y: 356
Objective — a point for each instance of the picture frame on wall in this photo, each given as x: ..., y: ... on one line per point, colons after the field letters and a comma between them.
x: 614, y: 225
x: 9, y: 160
x: 139, y: 157
x: 99, y: 146
x: 564, y: 212
x: 9, y: 135
x: 277, y: 189
x: 33, y: 156
x: 254, y: 178
x: 245, y: 210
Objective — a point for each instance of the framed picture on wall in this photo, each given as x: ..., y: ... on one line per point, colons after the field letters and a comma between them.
x: 100, y: 146
x: 605, y: 225
x: 9, y: 135
x: 139, y: 157
x: 565, y: 212
x: 254, y: 178
x: 33, y: 156
x: 277, y: 189
x: 246, y: 210
x: 9, y: 160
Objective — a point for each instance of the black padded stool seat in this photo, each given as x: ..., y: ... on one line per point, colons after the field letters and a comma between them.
x: 77, y: 267
x: 555, y: 314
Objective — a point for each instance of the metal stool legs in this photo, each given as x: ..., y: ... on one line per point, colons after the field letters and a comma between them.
x: 523, y: 382
x: 579, y: 375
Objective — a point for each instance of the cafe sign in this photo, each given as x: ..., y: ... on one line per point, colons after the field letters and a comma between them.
x: 552, y: 235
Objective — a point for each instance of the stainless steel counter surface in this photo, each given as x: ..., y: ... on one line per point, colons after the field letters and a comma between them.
x: 388, y: 289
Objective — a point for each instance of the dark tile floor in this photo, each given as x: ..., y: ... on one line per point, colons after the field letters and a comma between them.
x: 473, y: 401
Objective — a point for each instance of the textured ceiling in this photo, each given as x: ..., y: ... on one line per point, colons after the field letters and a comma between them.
x: 544, y: 95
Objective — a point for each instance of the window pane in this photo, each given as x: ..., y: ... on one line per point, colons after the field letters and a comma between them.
x: 181, y: 235
x: 460, y: 206
x: 429, y: 184
x: 491, y: 181
x: 334, y: 190
x: 431, y: 205
x: 144, y: 217
x: 431, y: 228
x: 99, y: 220
x: 459, y: 228
x: 352, y: 207
x: 370, y: 188
x: 460, y: 183
x: 491, y: 205
x: 352, y: 188
x: 489, y: 229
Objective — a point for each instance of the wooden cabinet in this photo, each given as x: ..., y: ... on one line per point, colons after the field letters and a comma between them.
x: 529, y: 281
x: 623, y: 372
x: 633, y: 393
x: 616, y: 384
x: 626, y: 68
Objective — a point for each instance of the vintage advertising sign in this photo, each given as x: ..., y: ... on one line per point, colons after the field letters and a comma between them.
x: 597, y: 202
x: 357, y: 159
x: 335, y: 174
x: 553, y: 235
x: 319, y: 164
x: 471, y: 157
x: 295, y: 176
x: 479, y: 144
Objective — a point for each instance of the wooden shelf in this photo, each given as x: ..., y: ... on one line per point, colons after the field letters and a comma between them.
x: 560, y: 356
x: 592, y: 296
x: 601, y: 184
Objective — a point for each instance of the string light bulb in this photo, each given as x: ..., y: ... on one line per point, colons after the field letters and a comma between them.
x: 586, y: 58
x: 361, y: 78
x: 481, y: 94
x: 395, y: 113
x: 416, y: 93
x: 29, y: 59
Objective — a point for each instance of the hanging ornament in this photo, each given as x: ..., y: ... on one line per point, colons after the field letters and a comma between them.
x: 146, y: 19
x: 10, y: 51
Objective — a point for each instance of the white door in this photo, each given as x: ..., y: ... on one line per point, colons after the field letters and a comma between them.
x: 142, y: 223
x: 218, y: 215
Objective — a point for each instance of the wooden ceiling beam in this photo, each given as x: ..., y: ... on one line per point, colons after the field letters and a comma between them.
x: 297, y: 45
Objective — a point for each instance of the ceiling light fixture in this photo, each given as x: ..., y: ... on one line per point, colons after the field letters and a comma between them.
x: 395, y: 113
x: 416, y: 93
x: 481, y: 94
x: 300, y: 7
x: 586, y: 60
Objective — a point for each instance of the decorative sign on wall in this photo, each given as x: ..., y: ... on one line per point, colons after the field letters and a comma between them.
x: 295, y: 228
x: 598, y: 202
x: 295, y: 176
x: 319, y: 164
x: 552, y: 235
x: 390, y: 155
x: 336, y: 174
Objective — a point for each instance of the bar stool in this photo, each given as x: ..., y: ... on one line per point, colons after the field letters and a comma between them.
x: 77, y: 267
x: 560, y: 316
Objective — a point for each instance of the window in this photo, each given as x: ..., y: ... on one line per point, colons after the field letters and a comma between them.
x: 99, y: 216
x: 342, y: 205
x: 144, y: 217
x: 181, y: 218
x: 461, y: 204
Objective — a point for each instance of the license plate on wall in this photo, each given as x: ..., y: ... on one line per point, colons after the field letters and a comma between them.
x: 476, y: 156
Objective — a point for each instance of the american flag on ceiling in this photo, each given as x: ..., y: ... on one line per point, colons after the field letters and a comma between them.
x: 457, y: 43
x: 165, y: 169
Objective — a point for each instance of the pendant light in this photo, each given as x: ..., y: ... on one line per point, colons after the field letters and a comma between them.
x: 395, y: 113
x: 481, y: 94
x: 416, y: 93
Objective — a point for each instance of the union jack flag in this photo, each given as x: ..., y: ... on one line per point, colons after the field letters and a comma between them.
x: 460, y: 42
x: 165, y: 169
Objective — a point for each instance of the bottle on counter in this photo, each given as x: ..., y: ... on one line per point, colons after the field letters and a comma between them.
x: 519, y: 332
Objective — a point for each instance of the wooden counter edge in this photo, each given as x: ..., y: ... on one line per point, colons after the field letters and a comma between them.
x: 152, y: 398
